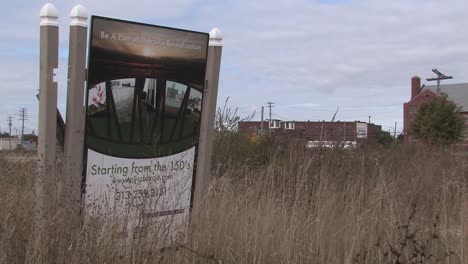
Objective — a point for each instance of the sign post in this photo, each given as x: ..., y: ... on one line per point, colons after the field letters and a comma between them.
x: 45, y: 182
x: 464, y: 242
x: 205, y: 150
x: 70, y: 184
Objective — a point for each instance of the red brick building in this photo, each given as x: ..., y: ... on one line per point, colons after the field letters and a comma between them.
x: 457, y: 93
x: 316, y: 130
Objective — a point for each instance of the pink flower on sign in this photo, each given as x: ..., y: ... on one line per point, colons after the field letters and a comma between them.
x: 97, y: 96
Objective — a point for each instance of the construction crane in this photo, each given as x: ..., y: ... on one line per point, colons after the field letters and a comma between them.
x: 336, y: 112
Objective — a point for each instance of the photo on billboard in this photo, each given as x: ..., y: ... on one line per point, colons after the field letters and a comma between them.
x: 142, y: 84
x: 144, y: 103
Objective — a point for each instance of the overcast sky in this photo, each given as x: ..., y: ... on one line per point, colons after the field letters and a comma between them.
x: 309, y: 57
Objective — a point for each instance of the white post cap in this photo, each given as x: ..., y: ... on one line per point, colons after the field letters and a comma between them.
x: 216, y: 39
x: 49, y: 15
x: 79, y: 16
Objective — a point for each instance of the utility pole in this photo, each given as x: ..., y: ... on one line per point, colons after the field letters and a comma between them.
x: 261, y: 123
x: 9, y: 125
x: 23, y: 115
x: 270, y: 105
x: 369, y: 119
x: 440, y: 77
x: 394, y: 131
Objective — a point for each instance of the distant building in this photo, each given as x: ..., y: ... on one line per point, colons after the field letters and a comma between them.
x: 321, y: 131
x: 420, y: 94
x: 5, y: 143
x: 29, y: 143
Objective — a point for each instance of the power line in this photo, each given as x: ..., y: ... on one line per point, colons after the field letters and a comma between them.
x: 285, y: 118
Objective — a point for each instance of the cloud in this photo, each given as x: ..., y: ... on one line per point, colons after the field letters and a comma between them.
x: 253, y: 108
x: 302, y: 105
x: 359, y: 54
x: 365, y: 51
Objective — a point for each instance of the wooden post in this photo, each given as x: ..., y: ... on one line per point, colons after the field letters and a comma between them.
x: 205, y: 146
x: 70, y: 181
x: 464, y: 254
x: 45, y: 182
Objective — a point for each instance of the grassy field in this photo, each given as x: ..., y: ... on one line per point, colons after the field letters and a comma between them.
x: 277, y: 202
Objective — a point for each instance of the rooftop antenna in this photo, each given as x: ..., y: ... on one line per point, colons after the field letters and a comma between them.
x: 440, y: 76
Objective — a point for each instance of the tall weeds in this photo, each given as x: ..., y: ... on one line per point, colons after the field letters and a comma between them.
x: 277, y: 202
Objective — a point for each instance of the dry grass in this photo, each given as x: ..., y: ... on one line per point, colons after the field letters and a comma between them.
x: 275, y: 202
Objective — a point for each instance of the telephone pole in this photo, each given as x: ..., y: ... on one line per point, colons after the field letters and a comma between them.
x: 440, y: 77
x: 9, y: 125
x: 23, y: 115
x: 394, y: 132
x: 270, y: 105
x: 261, y: 123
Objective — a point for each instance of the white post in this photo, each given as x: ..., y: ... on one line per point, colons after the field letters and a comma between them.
x: 205, y: 146
x: 45, y: 182
x: 70, y: 182
x: 464, y: 255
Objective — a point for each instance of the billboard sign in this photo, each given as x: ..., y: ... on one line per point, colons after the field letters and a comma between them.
x: 361, y: 130
x: 143, y: 109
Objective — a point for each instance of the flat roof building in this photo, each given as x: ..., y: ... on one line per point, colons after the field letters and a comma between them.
x: 354, y: 131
